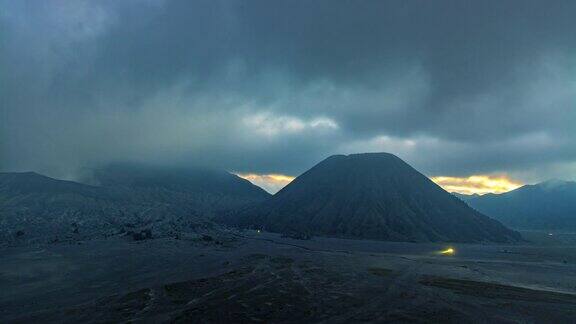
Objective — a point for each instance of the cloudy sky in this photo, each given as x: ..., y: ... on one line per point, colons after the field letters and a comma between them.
x: 269, y: 88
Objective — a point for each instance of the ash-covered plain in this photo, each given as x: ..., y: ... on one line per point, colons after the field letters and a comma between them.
x: 256, y: 277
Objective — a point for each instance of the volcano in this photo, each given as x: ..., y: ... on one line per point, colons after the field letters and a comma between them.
x: 35, y: 207
x: 371, y: 196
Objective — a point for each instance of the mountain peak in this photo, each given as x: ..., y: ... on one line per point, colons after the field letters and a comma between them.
x: 373, y: 155
x: 365, y: 156
x: 375, y: 196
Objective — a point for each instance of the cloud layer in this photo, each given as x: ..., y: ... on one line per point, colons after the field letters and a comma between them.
x: 454, y: 87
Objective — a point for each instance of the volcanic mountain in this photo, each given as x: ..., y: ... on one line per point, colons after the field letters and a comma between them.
x: 549, y: 205
x: 34, y: 207
x: 200, y: 191
x: 371, y: 196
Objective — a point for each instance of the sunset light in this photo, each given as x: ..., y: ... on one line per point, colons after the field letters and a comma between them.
x: 269, y: 182
x: 477, y: 184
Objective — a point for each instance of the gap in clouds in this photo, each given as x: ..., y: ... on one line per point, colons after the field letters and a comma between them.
x: 477, y: 184
x: 269, y: 182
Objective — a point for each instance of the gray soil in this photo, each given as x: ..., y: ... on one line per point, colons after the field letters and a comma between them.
x: 262, y: 277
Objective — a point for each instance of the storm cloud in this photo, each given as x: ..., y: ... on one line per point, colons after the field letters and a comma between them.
x: 454, y: 87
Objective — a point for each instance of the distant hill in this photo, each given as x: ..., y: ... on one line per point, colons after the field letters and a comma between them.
x: 549, y: 205
x: 465, y: 197
x: 200, y: 191
x: 372, y: 196
x: 34, y: 207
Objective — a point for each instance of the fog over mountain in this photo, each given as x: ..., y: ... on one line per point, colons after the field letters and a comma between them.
x: 455, y: 88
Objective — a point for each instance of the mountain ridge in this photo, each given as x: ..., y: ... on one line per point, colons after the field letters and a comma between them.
x: 40, y: 208
x: 374, y: 196
x: 548, y: 205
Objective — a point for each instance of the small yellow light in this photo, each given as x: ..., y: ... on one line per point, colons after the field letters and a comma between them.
x: 448, y: 251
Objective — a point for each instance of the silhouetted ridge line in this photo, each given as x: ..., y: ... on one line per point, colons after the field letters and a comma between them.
x: 372, y: 196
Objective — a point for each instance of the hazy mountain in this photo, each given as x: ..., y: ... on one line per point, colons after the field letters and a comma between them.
x: 205, y: 192
x: 465, y: 197
x: 548, y: 205
x: 127, y: 198
x: 376, y: 196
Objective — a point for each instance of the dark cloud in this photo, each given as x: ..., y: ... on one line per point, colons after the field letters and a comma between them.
x: 455, y: 87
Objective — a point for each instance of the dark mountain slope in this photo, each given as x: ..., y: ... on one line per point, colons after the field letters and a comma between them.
x: 36, y: 207
x: 200, y: 191
x: 376, y: 196
x: 22, y: 183
x: 549, y: 205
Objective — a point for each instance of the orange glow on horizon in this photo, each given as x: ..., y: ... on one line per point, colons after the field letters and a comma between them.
x: 270, y: 182
x: 274, y: 177
x: 477, y: 184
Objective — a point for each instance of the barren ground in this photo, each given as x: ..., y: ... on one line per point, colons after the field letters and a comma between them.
x: 262, y: 277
